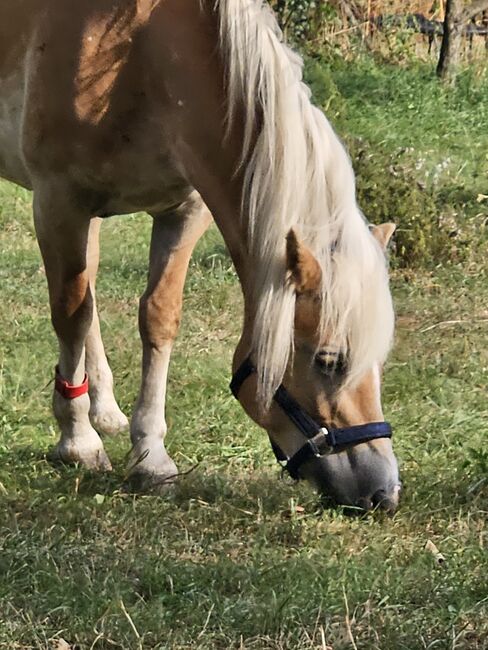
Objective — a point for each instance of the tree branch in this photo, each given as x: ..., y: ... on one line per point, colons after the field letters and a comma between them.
x: 472, y: 10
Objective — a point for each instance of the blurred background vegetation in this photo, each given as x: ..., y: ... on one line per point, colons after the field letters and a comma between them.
x: 419, y: 147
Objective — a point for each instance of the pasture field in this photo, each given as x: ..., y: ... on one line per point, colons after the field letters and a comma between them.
x: 236, y: 557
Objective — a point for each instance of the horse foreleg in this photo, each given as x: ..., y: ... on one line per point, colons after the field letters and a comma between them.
x: 105, y: 414
x: 174, y: 236
x: 63, y: 236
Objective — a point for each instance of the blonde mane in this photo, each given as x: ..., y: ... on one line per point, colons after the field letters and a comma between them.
x: 298, y: 175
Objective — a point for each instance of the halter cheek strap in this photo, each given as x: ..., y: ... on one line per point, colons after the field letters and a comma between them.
x: 320, y: 440
x: 67, y: 390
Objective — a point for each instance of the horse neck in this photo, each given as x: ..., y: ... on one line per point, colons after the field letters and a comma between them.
x: 188, y: 84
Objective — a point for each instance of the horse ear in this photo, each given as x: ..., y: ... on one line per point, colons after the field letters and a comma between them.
x: 383, y: 233
x: 304, y: 270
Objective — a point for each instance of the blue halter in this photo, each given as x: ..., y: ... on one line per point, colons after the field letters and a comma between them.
x: 320, y: 440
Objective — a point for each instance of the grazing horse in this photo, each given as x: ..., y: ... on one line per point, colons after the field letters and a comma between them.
x: 183, y: 109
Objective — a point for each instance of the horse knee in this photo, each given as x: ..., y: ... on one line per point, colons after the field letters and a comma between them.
x: 159, y: 320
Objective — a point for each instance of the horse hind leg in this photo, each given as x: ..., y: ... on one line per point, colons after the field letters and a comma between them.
x: 62, y: 232
x: 105, y: 414
x: 174, y: 236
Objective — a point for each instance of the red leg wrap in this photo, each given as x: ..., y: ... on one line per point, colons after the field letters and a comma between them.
x: 67, y: 390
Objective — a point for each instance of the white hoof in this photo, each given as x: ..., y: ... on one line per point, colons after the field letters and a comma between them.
x: 150, y: 468
x: 88, y: 452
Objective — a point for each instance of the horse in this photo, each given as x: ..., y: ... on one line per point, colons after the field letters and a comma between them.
x: 191, y: 110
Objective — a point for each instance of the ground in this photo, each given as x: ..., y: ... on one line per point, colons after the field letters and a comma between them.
x: 238, y: 557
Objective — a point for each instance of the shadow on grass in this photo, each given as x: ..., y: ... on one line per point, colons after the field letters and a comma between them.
x: 261, y: 491
x: 32, y: 483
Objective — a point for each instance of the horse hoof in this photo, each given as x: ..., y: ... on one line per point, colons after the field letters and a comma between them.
x: 151, y: 469
x: 150, y: 483
x: 96, y: 460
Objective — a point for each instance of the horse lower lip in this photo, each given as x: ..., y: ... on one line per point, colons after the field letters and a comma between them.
x: 384, y: 499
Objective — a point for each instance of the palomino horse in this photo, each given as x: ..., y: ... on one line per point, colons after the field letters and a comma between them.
x: 170, y: 106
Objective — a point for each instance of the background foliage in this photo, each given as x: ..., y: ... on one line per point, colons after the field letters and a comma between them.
x: 418, y: 150
x: 432, y: 183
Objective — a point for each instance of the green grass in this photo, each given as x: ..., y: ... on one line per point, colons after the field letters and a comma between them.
x: 227, y: 561
x: 438, y: 122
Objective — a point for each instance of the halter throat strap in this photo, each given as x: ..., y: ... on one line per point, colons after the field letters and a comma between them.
x: 320, y: 440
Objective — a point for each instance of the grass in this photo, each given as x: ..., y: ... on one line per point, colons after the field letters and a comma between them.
x: 417, y: 104
x: 437, y: 128
x: 228, y: 561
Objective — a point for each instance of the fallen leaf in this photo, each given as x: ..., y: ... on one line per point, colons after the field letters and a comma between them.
x: 294, y: 510
x: 60, y: 644
x: 432, y: 548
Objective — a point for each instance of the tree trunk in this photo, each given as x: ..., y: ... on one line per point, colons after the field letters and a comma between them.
x: 451, y: 42
x: 456, y: 17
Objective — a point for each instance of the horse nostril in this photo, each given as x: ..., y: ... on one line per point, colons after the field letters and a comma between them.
x: 379, y: 497
x: 386, y: 502
x: 364, y: 503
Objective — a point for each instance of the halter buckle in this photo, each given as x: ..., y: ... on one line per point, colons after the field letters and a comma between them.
x: 319, y: 441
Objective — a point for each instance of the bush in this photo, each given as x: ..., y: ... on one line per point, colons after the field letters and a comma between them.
x: 301, y: 20
x: 326, y: 94
x: 389, y: 189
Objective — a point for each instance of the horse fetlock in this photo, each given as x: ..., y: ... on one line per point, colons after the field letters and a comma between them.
x: 106, y: 416
x: 148, y: 427
x: 71, y: 412
x: 79, y: 442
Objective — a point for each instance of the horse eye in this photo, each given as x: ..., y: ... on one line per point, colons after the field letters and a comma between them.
x: 329, y: 362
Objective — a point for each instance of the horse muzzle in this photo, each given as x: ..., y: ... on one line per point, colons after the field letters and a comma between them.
x: 363, y: 476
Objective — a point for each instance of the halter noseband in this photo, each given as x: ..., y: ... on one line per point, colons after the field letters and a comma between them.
x: 320, y: 440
